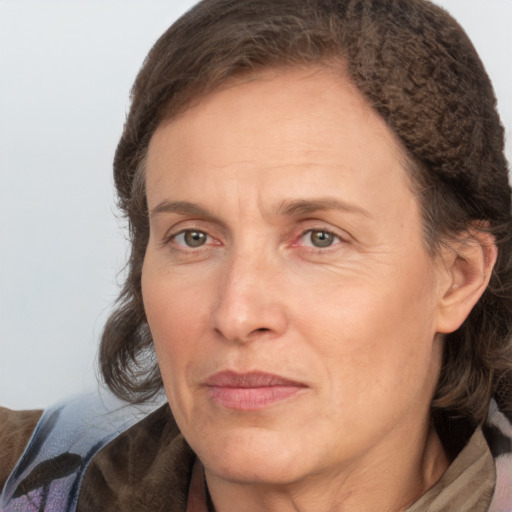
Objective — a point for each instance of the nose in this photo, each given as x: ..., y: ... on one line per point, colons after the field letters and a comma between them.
x: 250, y: 302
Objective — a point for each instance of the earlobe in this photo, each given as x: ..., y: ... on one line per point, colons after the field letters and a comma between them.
x: 468, y: 263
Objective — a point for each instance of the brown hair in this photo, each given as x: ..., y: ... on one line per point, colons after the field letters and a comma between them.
x: 420, y: 72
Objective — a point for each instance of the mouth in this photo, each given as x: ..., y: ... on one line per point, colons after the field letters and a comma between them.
x: 250, y: 391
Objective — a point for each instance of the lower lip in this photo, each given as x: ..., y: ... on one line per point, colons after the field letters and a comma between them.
x: 251, y: 399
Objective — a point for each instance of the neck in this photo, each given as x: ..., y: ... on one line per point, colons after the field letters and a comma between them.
x: 388, y: 481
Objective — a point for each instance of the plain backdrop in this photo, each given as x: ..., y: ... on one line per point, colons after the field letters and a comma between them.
x: 66, y: 68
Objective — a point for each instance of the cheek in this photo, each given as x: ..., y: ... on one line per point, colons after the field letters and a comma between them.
x: 376, y: 343
x: 172, y: 320
x: 172, y: 314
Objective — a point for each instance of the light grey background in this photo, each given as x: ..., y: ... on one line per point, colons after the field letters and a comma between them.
x: 66, y: 68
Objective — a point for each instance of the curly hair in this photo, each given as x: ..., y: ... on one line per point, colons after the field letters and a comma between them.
x: 419, y: 71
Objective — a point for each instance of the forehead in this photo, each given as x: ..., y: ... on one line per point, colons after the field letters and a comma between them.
x: 286, y: 122
x: 247, y: 155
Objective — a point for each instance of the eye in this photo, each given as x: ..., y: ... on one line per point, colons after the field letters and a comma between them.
x: 319, y: 238
x: 191, y: 238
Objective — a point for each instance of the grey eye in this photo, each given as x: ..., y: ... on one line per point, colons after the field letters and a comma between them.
x: 322, y: 238
x: 194, y: 238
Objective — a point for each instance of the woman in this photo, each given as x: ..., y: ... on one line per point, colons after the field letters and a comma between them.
x: 321, y: 262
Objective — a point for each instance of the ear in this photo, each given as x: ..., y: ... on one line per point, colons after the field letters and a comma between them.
x: 467, y: 264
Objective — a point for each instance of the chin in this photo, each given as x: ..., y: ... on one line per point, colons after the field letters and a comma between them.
x: 254, y: 458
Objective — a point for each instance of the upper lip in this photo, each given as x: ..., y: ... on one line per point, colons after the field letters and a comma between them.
x: 253, y: 379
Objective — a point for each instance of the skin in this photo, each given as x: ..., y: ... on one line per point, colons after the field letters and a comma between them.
x: 241, y: 189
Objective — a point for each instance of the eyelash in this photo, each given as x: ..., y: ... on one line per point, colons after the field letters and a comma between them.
x: 332, y: 239
x: 174, y: 236
x: 335, y: 239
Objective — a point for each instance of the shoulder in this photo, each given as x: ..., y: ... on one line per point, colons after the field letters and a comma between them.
x: 145, y: 468
x: 66, y: 439
x: 498, y: 433
x: 16, y: 428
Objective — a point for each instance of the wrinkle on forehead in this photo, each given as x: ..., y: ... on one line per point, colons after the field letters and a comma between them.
x: 267, y: 141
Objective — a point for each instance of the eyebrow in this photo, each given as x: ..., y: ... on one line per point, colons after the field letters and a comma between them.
x: 181, y: 208
x: 305, y: 206
x: 286, y: 208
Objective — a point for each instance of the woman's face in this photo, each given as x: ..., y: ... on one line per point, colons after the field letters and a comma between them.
x: 291, y: 300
